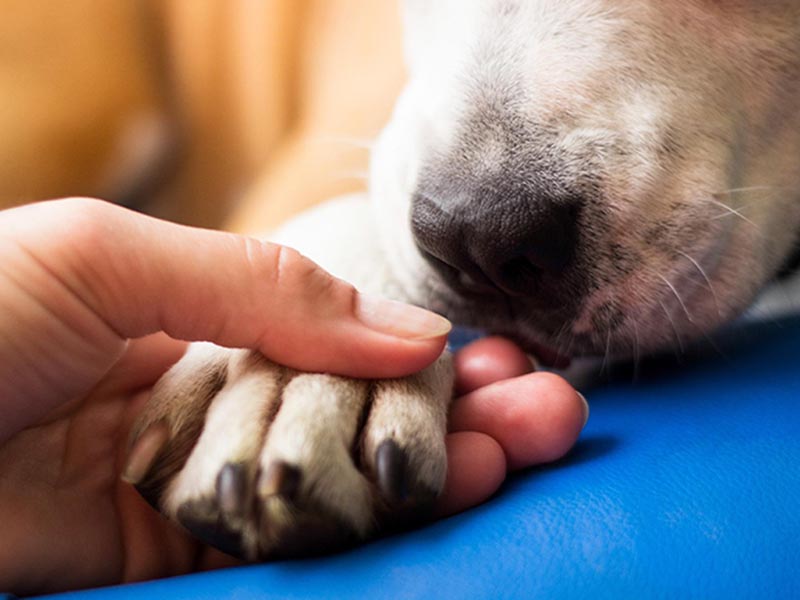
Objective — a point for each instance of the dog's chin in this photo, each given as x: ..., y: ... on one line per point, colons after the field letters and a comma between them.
x: 549, y: 333
x: 539, y: 331
x: 554, y: 345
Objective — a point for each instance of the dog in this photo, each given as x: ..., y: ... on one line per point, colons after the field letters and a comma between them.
x: 587, y: 177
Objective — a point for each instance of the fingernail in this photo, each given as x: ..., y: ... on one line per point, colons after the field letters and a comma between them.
x: 144, y: 452
x: 585, y: 408
x: 399, y: 319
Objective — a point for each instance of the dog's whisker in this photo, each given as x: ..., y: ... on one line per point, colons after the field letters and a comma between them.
x: 674, y: 327
x: 714, y: 345
x: 755, y: 227
x: 569, y: 338
x: 569, y: 346
x: 731, y: 211
x: 771, y: 190
x: 706, y: 277
x: 676, y: 294
x: 560, y: 345
x: 559, y: 338
x: 754, y: 188
x: 636, y: 351
x: 607, y: 353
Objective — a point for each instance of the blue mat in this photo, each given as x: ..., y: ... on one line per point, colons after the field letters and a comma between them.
x: 685, y: 484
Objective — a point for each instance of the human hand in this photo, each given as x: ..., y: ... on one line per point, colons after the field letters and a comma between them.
x: 71, y: 382
x: 79, y: 278
x: 505, y: 417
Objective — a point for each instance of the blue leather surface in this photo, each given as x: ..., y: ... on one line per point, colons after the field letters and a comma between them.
x: 683, y: 485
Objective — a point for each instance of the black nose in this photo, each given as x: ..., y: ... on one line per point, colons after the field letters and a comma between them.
x: 500, y: 239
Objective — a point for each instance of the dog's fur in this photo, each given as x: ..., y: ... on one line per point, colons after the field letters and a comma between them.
x: 674, y: 123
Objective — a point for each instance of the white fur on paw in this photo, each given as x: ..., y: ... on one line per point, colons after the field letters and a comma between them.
x: 281, y: 463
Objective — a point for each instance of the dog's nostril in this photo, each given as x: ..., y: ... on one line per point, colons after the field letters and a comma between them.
x: 467, y: 280
x: 519, y: 273
x: 509, y: 244
x: 550, y: 247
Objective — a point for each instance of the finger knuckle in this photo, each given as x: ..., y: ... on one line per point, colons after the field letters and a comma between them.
x: 83, y: 224
x: 296, y: 272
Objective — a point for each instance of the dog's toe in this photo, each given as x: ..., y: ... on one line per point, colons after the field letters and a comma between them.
x: 403, y: 440
x: 307, y: 460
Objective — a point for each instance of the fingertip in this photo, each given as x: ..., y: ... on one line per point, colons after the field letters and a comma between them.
x: 487, y: 361
x: 476, y: 467
x: 547, y: 429
x: 536, y: 418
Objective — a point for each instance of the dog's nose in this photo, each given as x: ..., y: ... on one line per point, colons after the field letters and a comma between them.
x: 508, y: 243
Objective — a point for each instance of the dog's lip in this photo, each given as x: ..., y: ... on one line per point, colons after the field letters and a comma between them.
x: 545, y: 356
x: 467, y: 287
x: 549, y: 357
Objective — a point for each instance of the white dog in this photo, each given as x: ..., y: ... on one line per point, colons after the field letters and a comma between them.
x: 599, y: 177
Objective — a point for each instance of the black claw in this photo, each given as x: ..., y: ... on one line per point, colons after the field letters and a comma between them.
x: 391, y: 466
x: 200, y: 519
x: 280, y: 479
x: 232, y: 490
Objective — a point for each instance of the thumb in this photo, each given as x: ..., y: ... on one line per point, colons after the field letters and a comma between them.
x: 141, y: 275
x: 78, y: 278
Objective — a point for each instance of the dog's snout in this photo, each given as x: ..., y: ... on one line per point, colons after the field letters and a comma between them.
x: 506, y: 242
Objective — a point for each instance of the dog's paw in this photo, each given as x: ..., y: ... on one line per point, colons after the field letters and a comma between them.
x: 262, y: 461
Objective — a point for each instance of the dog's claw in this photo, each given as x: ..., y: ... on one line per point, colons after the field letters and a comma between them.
x: 280, y: 479
x: 144, y: 451
x: 232, y: 490
x: 201, y: 519
x: 391, y: 465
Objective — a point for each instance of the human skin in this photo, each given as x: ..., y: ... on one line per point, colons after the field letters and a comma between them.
x: 97, y: 301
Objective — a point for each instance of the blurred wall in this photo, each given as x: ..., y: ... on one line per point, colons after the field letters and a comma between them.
x: 76, y: 85
x: 201, y: 111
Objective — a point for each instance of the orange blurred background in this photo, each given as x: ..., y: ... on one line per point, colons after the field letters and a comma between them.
x: 222, y: 113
